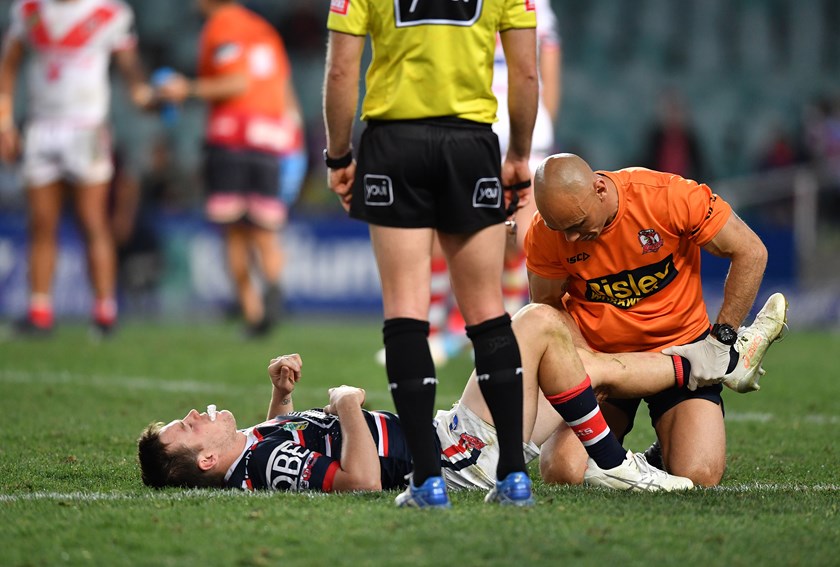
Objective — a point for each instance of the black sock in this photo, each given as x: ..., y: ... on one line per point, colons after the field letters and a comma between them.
x: 412, y: 381
x: 499, y: 369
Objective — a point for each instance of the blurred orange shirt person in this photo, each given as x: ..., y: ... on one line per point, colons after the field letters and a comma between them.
x: 637, y: 286
x: 235, y: 40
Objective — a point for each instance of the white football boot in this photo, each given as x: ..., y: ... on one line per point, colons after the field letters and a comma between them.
x: 634, y: 474
x: 753, y: 342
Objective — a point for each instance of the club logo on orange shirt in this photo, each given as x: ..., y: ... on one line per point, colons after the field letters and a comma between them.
x: 650, y: 239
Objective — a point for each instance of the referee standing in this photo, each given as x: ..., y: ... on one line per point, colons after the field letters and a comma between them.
x: 429, y: 162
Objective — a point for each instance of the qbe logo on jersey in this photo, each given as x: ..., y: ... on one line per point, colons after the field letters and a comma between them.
x: 436, y: 12
x: 378, y: 191
x: 488, y: 193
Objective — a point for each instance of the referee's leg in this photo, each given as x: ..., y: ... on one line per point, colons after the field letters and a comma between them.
x: 403, y: 256
x: 475, y: 262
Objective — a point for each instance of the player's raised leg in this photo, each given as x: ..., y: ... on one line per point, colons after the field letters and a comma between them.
x: 753, y: 342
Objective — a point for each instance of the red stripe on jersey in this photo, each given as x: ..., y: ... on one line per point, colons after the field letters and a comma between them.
x: 248, y: 484
x: 33, y: 20
x: 257, y: 434
x: 591, y: 428
x: 299, y: 438
x: 329, y: 476
x: 453, y: 450
x: 81, y: 33
x: 562, y: 397
x: 382, y: 425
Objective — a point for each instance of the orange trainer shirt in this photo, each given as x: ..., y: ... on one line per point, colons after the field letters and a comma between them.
x: 236, y: 40
x: 637, y: 286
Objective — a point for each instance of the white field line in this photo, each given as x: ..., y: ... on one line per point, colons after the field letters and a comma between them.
x: 754, y: 488
x: 816, y: 418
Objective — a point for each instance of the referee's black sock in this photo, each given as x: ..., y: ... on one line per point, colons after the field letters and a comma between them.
x: 499, y: 369
x: 412, y: 381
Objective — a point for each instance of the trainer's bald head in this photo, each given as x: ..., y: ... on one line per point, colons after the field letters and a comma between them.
x: 560, y: 182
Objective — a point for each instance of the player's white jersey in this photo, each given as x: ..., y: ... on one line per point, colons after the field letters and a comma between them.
x: 70, y: 44
x: 548, y: 36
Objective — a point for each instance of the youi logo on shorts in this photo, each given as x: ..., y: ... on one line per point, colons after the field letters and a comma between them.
x: 488, y: 193
x: 378, y: 191
x: 625, y: 289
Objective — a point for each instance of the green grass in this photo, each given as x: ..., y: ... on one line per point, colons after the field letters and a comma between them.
x: 71, y: 409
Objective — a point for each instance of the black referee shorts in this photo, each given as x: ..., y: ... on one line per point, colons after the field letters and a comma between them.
x: 442, y: 173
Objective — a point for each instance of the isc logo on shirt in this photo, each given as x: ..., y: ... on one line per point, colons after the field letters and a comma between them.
x: 378, y: 191
x: 488, y: 193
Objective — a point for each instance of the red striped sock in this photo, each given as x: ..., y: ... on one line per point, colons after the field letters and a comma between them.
x: 579, y: 408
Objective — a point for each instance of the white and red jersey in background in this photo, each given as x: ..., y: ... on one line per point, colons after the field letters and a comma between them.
x: 70, y: 44
x: 548, y: 37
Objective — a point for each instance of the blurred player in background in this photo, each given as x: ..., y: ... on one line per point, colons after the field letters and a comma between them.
x: 617, y: 253
x: 429, y: 163
x: 446, y: 333
x: 245, y: 76
x: 67, y: 140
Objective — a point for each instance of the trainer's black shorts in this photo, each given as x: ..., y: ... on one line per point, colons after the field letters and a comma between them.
x: 660, y: 403
x: 242, y: 185
x: 442, y: 173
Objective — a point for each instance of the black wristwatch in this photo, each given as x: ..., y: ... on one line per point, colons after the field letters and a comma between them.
x: 724, y: 333
x: 339, y: 162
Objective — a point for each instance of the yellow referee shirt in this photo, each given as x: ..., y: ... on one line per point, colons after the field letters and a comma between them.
x: 431, y: 58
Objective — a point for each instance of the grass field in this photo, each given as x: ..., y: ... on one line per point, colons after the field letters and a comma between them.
x: 70, y: 493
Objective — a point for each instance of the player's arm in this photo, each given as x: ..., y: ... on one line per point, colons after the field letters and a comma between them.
x: 711, y: 358
x: 359, y: 460
x: 341, y: 97
x: 748, y: 257
x: 285, y: 372
x: 10, y: 61
x: 128, y: 62
x: 520, y: 47
x: 551, y: 78
x: 548, y: 291
x: 221, y: 87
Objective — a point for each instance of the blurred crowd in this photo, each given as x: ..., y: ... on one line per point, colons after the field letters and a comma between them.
x: 676, y: 128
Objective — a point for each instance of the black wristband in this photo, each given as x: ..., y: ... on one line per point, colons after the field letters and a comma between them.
x: 339, y: 162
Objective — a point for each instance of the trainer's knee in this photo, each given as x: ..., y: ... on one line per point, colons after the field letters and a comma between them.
x: 554, y: 470
x: 700, y: 473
